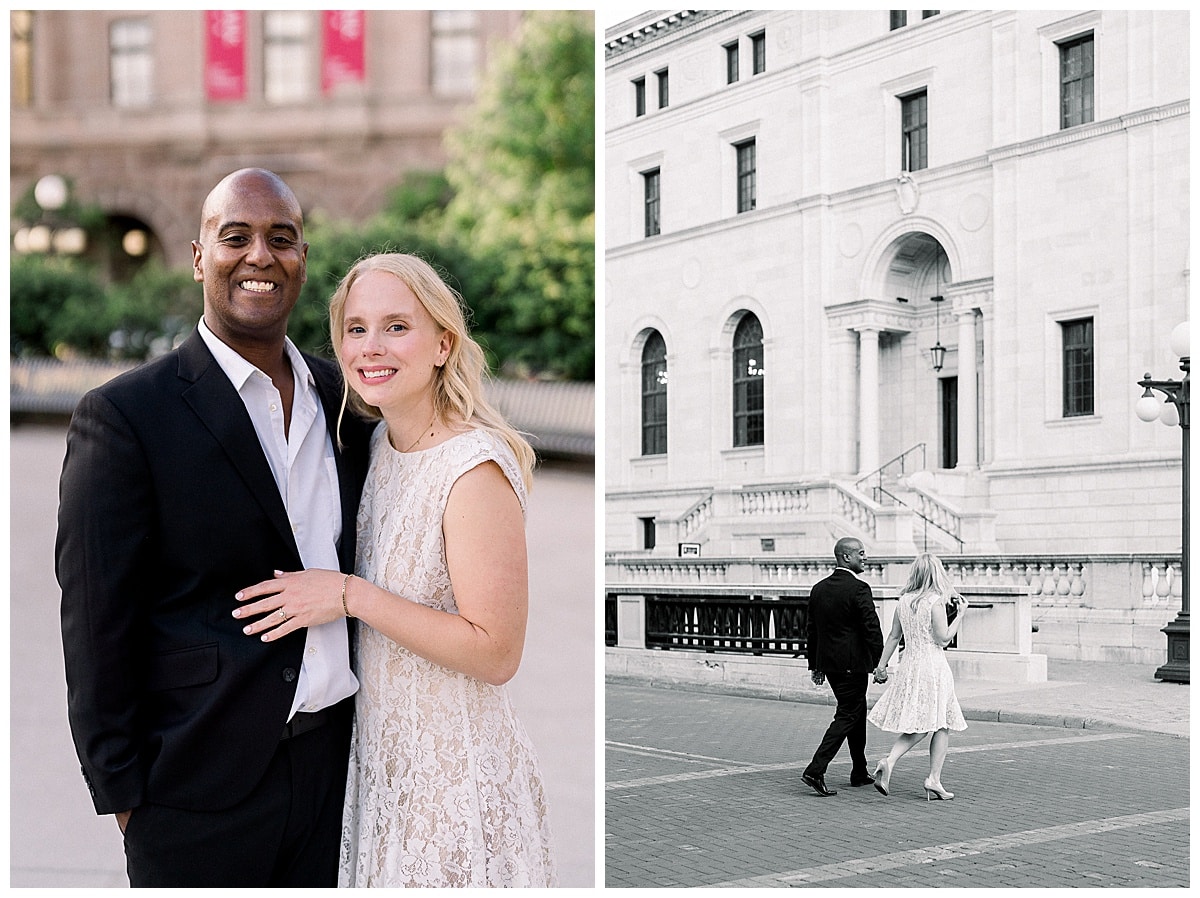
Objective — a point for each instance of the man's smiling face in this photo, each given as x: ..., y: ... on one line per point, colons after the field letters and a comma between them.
x: 250, y: 258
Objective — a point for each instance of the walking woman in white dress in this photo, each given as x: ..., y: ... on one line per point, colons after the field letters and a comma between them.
x: 444, y: 787
x: 920, y: 699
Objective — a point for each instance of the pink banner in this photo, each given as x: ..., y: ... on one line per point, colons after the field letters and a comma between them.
x: 225, y: 54
x: 342, y: 59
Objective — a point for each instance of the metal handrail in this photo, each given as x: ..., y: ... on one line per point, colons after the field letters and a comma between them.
x: 878, y: 472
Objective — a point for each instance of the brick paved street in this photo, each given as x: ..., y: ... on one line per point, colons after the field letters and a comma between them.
x: 705, y: 790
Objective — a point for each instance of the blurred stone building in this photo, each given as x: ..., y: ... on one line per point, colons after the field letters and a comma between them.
x: 143, y: 112
x: 801, y: 205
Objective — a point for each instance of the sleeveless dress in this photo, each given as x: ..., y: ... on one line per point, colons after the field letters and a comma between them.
x: 444, y: 787
x: 920, y: 697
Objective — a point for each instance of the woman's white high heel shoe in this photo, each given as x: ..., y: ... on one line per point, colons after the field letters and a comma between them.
x: 883, y: 775
x: 931, y: 790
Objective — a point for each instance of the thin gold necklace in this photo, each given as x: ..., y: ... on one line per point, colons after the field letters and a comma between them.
x: 422, y: 433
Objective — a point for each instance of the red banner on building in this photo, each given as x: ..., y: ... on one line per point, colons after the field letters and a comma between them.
x: 343, y: 57
x: 225, y: 54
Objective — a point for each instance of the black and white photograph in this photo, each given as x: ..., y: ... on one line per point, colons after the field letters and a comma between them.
x: 895, y: 448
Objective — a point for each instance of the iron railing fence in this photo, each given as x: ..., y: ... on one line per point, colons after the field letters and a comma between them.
x: 747, y: 624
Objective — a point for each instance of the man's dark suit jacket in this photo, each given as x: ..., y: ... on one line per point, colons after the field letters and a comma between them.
x: 843, y: 627
x: 167, y: 507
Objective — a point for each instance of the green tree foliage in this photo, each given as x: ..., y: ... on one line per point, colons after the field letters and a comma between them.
x: 522, y: 166
x: 510, y: 225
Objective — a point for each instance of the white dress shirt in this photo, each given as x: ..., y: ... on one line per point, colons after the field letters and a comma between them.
x: 305, y: 472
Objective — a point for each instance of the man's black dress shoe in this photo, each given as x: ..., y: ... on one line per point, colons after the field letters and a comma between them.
x: 818, y: 784
x: 865, y: 780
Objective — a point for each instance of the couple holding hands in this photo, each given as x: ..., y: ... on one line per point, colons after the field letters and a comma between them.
x: 845, y: 644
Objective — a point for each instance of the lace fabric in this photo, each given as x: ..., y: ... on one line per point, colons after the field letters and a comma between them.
x: 920, y: 697
x: 444, y: 787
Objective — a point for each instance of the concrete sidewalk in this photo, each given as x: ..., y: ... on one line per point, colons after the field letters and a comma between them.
x: 1084, y: 695
x: 57, y: 840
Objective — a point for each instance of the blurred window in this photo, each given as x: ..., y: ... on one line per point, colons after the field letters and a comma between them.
x: 639, y: 96
x: 654, y: 395
x: 287, y: 59
x: 731, y: 62
x: 21, y: 57
x: 455, y: 51
x: 899, y: 18
x: 749, y: 418
x: 663, y: 93
x: 131, y: 62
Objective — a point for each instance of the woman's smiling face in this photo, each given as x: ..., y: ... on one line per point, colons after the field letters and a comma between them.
x: 391, y: 346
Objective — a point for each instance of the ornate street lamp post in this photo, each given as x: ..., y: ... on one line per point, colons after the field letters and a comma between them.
x: 1176, y: 411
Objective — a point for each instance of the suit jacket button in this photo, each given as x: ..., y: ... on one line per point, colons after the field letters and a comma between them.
x: 289, y: 675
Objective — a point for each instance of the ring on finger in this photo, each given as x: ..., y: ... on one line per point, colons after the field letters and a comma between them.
x: 283, y: 614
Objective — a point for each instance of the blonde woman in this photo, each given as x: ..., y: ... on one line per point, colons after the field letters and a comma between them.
x: 920, y: 700
x: 444, y: 787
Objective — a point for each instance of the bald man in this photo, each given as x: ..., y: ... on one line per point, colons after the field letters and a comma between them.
x: 222, y: 758
x: 844, y: 645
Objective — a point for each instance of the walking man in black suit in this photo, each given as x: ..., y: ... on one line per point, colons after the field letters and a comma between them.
x: 223, y: 758
x: 844, y: 644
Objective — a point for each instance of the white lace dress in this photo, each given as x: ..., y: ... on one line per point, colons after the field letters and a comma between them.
x: 920, y: 697
x: 444, y: 787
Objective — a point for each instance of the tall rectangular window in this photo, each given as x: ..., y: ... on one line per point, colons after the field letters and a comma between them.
x: 650, y: 182
x: 287, y: 75
x: 663, y: 95
x: 747, y: 176
x: 648, y: 535
x: 20, y: 53
x: 1077, y: 74
x: 929, y: 13
x: 914, y: 151
x: 131, y: 63
x: 639, y: 96
x: 899, y: 18
x: 1079, y: 378
x: 758, y: 45
x: 455, y: 50
x: 731, y: 63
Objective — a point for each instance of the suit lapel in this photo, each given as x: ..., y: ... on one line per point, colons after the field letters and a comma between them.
x: 217, y: 404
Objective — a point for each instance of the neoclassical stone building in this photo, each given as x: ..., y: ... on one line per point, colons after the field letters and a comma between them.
x: 801, y: 205
x: 144, y: 111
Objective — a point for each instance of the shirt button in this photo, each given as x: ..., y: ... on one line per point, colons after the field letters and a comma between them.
x: 312, y: 650
x: 274, y: 406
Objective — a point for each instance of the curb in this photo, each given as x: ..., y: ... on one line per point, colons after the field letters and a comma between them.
x: 985, y: 715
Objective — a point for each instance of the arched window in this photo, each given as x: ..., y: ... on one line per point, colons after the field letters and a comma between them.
x: 654, y: 395
x: 749, y: 424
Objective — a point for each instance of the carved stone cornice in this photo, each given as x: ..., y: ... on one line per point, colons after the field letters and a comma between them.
x: 652, y: 29
x: 874, y: 314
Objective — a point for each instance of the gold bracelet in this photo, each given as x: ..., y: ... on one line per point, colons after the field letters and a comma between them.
x: 344, y: 581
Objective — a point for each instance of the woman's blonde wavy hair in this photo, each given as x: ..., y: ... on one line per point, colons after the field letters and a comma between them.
x: 927, y: 576
x: 458, y: 386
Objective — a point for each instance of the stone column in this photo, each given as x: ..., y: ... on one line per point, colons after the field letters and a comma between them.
x: 968, y: 415
x: 868, y: 399
x: 838, y: 427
